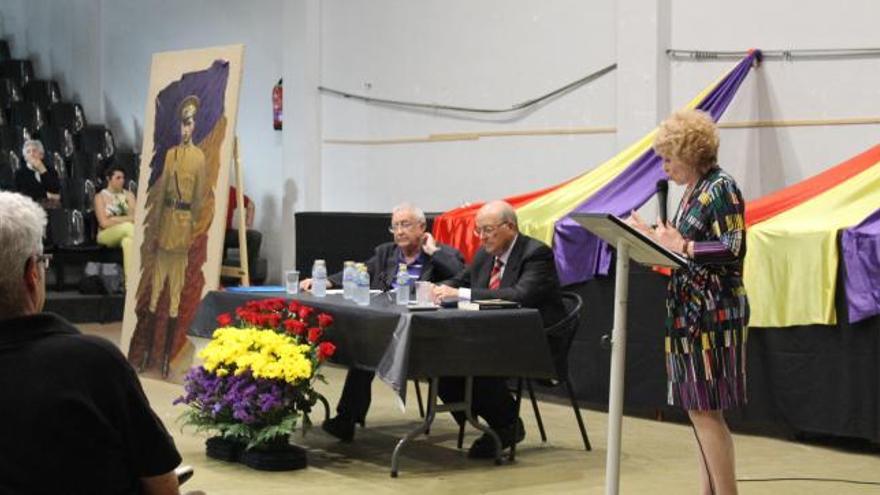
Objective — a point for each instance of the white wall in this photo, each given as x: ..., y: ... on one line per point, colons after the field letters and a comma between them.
x: 490, y: 53
x: 486, y: 53
x: 768, y: 159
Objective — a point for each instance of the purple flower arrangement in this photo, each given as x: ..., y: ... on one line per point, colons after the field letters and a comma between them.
x: 256, y: 379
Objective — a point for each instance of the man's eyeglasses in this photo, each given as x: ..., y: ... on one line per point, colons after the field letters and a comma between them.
x: 45, y: 259
x: 394, y: 227
x: 487, y: 229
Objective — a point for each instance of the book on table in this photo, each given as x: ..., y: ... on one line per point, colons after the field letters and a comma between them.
x: 495, y: 304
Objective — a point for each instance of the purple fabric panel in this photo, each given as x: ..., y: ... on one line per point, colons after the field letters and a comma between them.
x: 210, y: 86
x: 861, y: 256
x: 579, y: 255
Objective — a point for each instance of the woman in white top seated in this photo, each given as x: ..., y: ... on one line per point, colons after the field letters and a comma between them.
x: 114, y: 207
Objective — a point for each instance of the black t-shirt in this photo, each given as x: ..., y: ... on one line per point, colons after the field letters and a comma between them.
x: 73, y: 415
x: 26, y: 183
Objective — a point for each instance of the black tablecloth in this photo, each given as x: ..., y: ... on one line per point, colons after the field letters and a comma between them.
x: 399, y: 344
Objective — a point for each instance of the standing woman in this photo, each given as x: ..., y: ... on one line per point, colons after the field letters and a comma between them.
x: 707, y: 308
x: 114, y: 207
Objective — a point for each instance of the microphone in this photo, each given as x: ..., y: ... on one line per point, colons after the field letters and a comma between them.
x: 662, y: 190
x: 382, y: 282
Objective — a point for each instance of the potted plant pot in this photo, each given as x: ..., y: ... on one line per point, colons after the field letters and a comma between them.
x: 277, y: 455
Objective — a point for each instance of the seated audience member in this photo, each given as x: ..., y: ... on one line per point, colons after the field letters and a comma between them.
x: 114, y: 209
x: 35, y: 179
x: 510, y: 266
x: 253, y: 238
x: 250, y: 210
x: 425, y: 260
x: 74, y: 418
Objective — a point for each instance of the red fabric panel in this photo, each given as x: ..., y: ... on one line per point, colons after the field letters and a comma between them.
x: 456, y: 227
x: 784, y: 199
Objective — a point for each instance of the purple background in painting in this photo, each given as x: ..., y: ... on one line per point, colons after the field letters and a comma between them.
x: 210, y: 86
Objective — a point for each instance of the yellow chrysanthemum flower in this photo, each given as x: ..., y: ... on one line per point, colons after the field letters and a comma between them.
x: 265, y: 353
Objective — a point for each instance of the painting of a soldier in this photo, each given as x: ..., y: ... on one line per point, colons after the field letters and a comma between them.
x: 189, y: 130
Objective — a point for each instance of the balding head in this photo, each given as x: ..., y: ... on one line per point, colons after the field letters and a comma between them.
x: 496, y: 226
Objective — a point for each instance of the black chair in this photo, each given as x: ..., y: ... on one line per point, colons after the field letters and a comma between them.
x: 22, y: 71
x: 5, y: 54
x: 257, y: 266
x: 69, y: 115
x: 56, y: 161
x: 42, y: 92
x: 9, y: 163
x: 85, y: 166
x: 560, y: 337
x: 78, y: 193
x: 65, y: 228
x: 28, y: 115
x: 57, y: 139
x: 10, y: 92
x: 12, y: 138
x: 97, y: 140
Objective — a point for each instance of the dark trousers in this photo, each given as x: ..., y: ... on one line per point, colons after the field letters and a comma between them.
x: 356, y: 395
x: 490, y: 399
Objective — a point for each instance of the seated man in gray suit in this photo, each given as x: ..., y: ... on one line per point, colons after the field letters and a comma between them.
x: 511, y: 266
x: 425, y: 260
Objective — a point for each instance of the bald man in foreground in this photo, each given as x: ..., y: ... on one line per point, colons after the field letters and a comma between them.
x: 511, y: 266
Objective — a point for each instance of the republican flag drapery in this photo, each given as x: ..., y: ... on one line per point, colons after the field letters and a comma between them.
x: 623, y: 183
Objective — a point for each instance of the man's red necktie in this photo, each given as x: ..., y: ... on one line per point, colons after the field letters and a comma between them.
x: 495, y: 277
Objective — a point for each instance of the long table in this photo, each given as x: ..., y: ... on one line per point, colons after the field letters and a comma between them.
x: 400, y: 344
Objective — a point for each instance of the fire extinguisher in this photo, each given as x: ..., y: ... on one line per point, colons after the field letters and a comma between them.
x: 277, y: 101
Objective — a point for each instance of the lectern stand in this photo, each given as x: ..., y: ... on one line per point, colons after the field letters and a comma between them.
x: 630, y: 243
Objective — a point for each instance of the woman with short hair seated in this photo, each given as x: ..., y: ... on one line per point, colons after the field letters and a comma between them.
x: 114, y: 208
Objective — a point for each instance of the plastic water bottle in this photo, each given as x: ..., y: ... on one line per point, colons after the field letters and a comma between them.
x: 348, y: 283
x: 319, y: 279
x: 402, y: 285
x: 362, y: 293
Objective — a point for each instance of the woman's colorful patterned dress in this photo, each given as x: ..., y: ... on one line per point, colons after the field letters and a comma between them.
x: 707, y: 308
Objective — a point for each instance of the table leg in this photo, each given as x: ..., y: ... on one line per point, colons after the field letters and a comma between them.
x: 423, y: 427
x: 433, y: 408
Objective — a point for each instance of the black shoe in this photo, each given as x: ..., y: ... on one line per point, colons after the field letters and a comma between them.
x: 484, y: 447
x: 339, y: 427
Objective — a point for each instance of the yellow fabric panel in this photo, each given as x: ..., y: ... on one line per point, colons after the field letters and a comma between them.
x: 791, y: 262
x: 538, y: 218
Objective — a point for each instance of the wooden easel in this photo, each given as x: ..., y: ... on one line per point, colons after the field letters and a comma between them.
x: 241, y: 272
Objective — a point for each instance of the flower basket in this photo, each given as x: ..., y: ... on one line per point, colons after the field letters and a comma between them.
x: 224, y: 449
x: 279, y: 455
x: 256, y: 383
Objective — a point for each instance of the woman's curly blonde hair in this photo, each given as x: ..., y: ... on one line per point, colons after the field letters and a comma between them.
x: 689, y: 136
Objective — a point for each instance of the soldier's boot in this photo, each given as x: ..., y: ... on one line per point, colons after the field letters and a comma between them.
x: 169, y: 346
x: 142, y: 340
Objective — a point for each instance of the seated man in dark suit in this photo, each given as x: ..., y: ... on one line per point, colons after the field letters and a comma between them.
x: 425, y: 260
x: 73, y: 418
x: 35, y: 179
x: 509, y: 266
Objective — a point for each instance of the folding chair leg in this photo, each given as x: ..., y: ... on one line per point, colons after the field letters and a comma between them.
x: 419, y: 398
x: 518, y: 401
x: 323, y: 401
x: 460, y: 435
x: 536, y: 410
x: 577, y: 414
